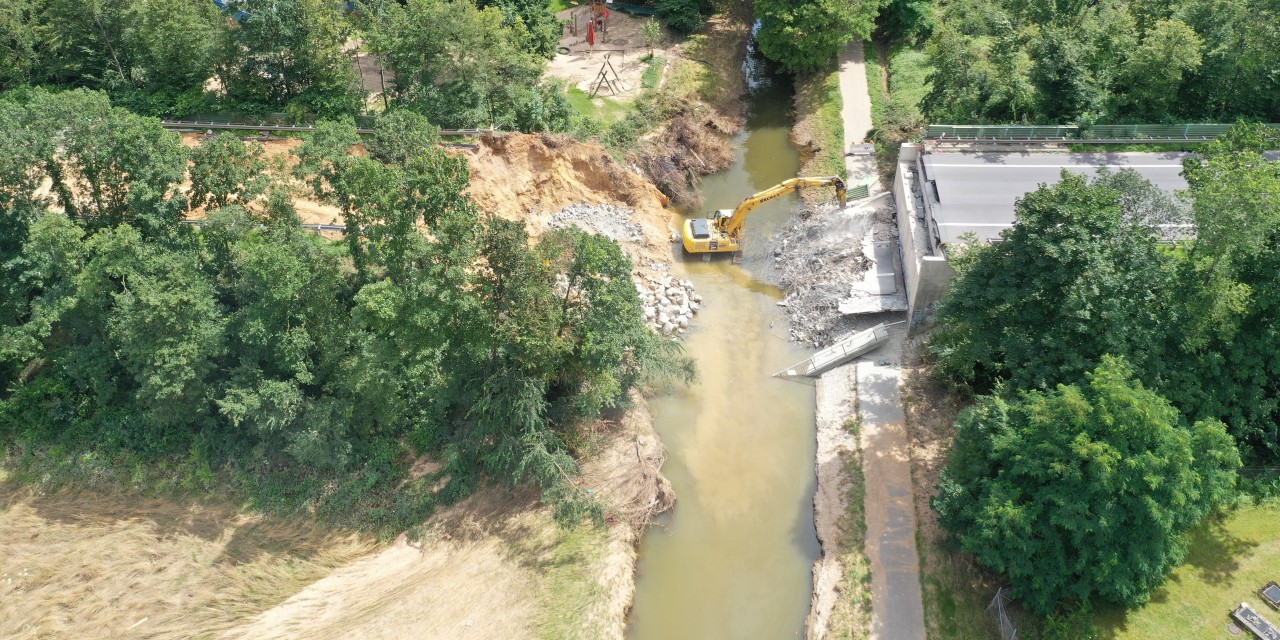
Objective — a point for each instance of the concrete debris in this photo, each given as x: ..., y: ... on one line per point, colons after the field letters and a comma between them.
x: 612, y: 221
x: 669, y: 302
x: 817, y: 255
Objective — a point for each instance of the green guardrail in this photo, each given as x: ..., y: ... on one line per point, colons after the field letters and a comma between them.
x: 1071, y: 132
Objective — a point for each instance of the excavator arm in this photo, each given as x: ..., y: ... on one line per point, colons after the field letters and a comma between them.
x: 732, y: 223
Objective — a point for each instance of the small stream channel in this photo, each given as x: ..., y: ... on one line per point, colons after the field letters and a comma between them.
x: 733, y: 559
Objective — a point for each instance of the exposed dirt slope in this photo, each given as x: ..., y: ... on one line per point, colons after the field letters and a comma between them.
x: 531, y: 177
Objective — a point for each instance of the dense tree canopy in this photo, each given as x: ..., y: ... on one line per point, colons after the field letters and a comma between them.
x: 462, y: 66
x: 807, y: 35
x: 249, y: 345
x: 1082, y: 274
x: 1085, y: 490
x: 1087, y: 62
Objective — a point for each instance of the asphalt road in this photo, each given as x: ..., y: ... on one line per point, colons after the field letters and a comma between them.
x: 976, y: 191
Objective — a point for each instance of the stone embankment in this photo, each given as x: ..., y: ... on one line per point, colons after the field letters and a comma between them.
x: 669, y: 302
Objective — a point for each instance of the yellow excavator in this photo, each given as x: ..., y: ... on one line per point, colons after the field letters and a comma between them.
x: 722, y: 231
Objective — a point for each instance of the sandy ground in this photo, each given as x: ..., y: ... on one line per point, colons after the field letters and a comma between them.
x: 86, y: 565
x: 837, y: 447
x: 622, y: 45
x: 496, y: 566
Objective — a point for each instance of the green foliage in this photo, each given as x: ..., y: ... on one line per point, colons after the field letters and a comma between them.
x: 807, y: 35
x: 488, y: 86
x: 146, y: 53
x: 225, y: 170
x: 1004, y: 61
x: 906, y: 19
x: 537, y: 21
x: 287, y: 55
x: 309, y: 371
x: 652, y: 35
x: 1080, y: 257
x: 682, y: 16
x: 1085, y: 490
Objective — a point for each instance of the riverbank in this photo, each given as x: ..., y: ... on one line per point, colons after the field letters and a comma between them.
x: 85, y: 564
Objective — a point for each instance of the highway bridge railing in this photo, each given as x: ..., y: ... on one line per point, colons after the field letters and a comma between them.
x: 1096, y: 134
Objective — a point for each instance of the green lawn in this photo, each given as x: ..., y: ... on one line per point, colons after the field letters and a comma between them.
x: 603, y: 109
x: 1228, y: 562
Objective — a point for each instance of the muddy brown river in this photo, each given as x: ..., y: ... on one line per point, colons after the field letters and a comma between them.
x: 733, y: 559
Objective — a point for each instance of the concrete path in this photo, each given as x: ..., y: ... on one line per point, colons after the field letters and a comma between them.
x: 856, y: 112
x: 897, y: 612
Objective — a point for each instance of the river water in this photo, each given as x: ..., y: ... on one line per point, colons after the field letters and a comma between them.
x: 733, y: 559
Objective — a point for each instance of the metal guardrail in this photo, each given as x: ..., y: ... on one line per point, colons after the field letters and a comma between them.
x: 224, y: 125
x: 1097, y: 134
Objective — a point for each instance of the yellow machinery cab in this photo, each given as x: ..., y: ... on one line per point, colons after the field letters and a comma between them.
x: 702, y: 236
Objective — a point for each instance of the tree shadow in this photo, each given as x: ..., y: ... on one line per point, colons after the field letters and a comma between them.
x: 245, y: 536
x: 1213, y: 550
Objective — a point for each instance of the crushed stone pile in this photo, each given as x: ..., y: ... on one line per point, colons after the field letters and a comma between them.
x: 669, y: 302
x: 612, y: 221
x: 817, y: 255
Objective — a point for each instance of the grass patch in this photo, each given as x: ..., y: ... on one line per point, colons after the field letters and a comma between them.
x: 954, y: 588
x: 908, y: 78
x: 851, y: 618
x: 1229, y: 559
x: 653, y: 72
x: 896, y: 92
x: 84, y: 564
x: 819, y: 129
x: 556, y: 6
x: 602, y: 109
x: 568, y: 587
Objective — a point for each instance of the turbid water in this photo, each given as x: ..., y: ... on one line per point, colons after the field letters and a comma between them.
x: 733, y: 559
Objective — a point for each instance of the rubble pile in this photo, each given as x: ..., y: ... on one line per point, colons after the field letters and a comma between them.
x: 612, y: 221
x: 817, y: 256
x: 669, y: 302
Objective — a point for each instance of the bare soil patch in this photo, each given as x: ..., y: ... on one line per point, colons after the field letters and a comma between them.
x: 531, y: 178
x: 85, y: 565
x: 956, y: 588
x: 622, y: 44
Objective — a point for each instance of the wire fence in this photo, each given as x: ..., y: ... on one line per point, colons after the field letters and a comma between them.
x: 999, y: 611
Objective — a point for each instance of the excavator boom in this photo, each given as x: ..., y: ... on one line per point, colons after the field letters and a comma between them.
x: 722, y: 232
x: 732, y: 225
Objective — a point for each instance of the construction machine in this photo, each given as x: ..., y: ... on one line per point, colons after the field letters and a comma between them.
x: 721, y: 232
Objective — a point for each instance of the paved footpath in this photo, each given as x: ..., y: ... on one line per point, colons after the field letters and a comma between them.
x: 897, y: 612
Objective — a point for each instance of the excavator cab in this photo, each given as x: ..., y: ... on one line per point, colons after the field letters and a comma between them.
x: 703, y: 235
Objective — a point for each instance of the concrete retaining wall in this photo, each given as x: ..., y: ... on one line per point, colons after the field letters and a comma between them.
x: 925, y: 270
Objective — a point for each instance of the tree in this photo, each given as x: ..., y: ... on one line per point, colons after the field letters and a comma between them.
x: 287, y: 54
x: 1080, y: 257
x: 225, y: 170
x: 111, y: 165
x: 458, y: 65
x: 1065, y: 85
x: 540, y: 25
x: 806, y: 35
x: 1085, y: 490
x: 682, y: 16
x: 1155, y: 71
x: 18, y: 41
x: 652, y: 35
